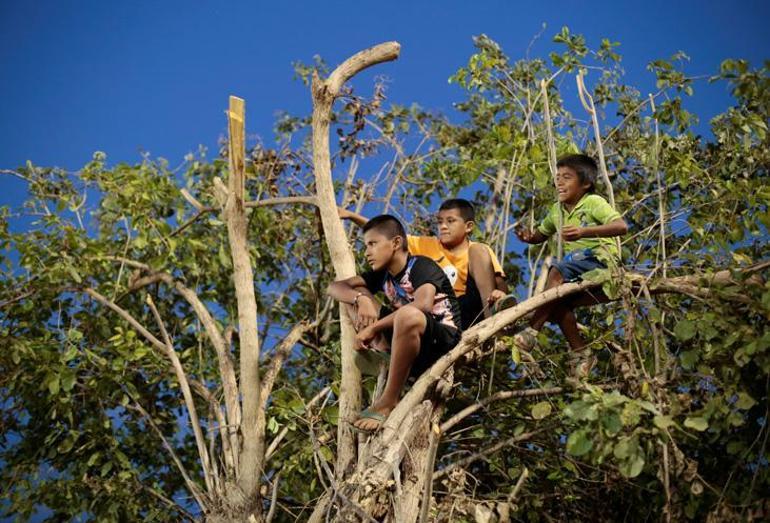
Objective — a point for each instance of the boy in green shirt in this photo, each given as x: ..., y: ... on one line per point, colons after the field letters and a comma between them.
x: 589, y: 225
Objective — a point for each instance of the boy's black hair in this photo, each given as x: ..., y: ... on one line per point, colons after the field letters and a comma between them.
x: 583, y: 165
x: 389, y: 226
x: 464, y: 206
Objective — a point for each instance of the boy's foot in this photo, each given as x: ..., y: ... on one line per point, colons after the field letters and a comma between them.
x: 371, y: 419
x: 505, y: 302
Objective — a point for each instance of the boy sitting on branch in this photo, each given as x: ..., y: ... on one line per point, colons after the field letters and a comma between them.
x: 589, y: 225
x: 422, y: 324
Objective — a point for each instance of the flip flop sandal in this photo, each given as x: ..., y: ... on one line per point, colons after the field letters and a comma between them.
x: 369, y: 414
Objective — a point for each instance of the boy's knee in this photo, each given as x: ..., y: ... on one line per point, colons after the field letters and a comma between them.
x: 555, y: 277
x: 479, y: 257
x: 480, y: 252
x: 409, y: 317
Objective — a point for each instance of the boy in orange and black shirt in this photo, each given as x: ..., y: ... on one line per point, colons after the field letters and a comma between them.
x: 473, y: 269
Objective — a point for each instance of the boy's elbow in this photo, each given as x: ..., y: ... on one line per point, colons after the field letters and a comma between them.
x: 330, y: 290
x: 623, y: 227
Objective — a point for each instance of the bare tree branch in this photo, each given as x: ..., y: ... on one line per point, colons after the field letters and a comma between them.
x: 191, y: 486
x: 483, y: 453
x: 200, y: 441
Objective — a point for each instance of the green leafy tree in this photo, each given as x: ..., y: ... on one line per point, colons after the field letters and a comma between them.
x: 131, y: 387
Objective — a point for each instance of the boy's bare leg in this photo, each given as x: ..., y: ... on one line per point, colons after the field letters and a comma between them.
x: 543, y: 313
x: 481, y: 269
x: 565, y: 317
x: 409, y: 324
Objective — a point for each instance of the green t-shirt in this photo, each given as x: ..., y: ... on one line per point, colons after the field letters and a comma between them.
x: 591, y: 210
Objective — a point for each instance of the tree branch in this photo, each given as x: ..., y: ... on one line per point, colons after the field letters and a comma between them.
x: 250, y: 461
x: 191, y: 486
x: 482, y: 454
x: 200, y: 441
x: 323, y: 94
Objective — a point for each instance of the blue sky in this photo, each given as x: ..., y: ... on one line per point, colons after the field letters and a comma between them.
x: 125, y: 77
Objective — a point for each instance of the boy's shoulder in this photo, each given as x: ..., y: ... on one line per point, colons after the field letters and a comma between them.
x: 595, y: 202
x: 423, y: 245
x: 422, y: 240
x: 593, y: 198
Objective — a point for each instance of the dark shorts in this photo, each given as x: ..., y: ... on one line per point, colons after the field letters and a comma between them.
x: 471, y: 310
x: 437, y: 340
x: 576, y: 263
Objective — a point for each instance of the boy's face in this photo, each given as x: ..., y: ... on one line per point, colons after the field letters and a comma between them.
x: 568, y: 186
x: 452, y: 228
x: 380, y: 249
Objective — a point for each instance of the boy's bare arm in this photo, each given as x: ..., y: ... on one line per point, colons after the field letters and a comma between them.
x: 530, y: 236
x: 424, y: 297
x: 352, y: 216
x: 616, y: 227
x: 353, y: 291
x: 345, y: 291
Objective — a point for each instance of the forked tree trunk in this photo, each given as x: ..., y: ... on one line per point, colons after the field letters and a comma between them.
x: 324, y: 93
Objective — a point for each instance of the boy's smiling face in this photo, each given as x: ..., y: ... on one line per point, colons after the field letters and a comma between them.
x: 569, y: 187
x: 452, y: 228
x: 380, y: 249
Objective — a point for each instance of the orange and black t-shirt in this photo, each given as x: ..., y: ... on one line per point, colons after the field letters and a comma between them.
x: 454, y: 265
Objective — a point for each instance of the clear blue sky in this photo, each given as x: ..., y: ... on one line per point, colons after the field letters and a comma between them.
x: 131, y: 76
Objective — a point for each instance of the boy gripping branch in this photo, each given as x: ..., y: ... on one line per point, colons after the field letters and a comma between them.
x: 422, y: 324
x: 472, y: 268
x: 589, y: 224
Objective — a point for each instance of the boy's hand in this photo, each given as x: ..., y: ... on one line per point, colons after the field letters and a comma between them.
x: 366, y: 312
x: 571, y: 233
x: 524, y: 235
x: 364, y: 338
x: 344, y: 214
x: 495, y: 295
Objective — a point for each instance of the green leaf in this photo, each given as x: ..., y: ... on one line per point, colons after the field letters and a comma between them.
x: 581, y: 410
x: 66, y: 445
x: 697, y: 423
x: 612, y: 423
x: 625, y: 448
x: 327, y: 454
x: 632, y: 467
x: 67, y: 380
x: 684, y: 330
x: 541, y: 410
x: 689, y: 358
x: 75, y: 276
x: 53, y: 384
x: 745, y: 401
x: 578, y: 443
x: 663, y: 422
x: 93, y: 459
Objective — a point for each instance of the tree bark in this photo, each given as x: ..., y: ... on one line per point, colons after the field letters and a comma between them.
x: 324, y: 92
x: 252, y: 452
